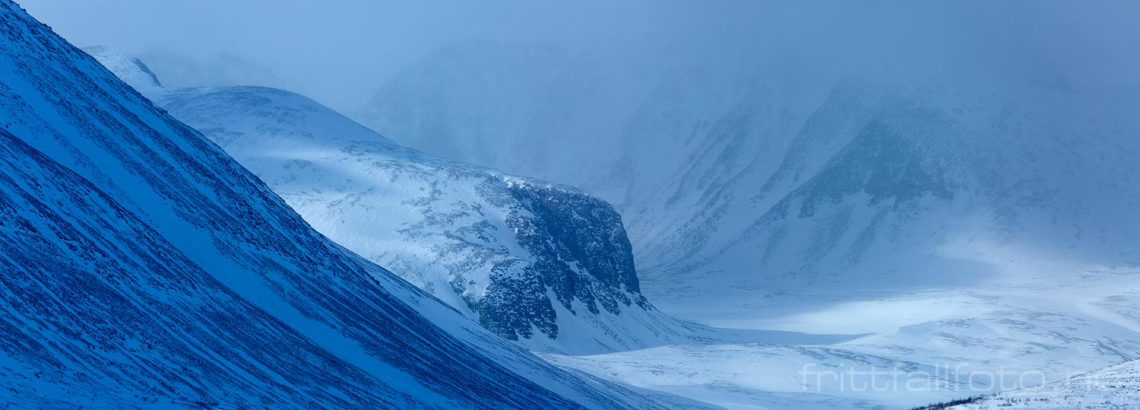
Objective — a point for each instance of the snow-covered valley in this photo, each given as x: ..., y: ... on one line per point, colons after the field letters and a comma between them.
x: 972, y: 311
x: 907, y: 351
x: 875, y: 346
x: 965, y: 224
x: 976, y: 213
x: 517, y: 225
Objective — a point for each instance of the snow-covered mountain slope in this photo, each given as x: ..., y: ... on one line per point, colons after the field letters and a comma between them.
x: 931, y: 188
x: 534, y: 262
x: 135, y: 73
x: 144, y: 267
x: 1117, y: 387
x: 180, y: 71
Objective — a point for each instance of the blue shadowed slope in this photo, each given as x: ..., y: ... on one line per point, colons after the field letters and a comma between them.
x: 142, y: 266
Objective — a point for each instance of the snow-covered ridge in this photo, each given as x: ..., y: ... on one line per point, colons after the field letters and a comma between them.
x: 144, y: 267
x: 135, y: 73
x: 532, y: 261
x: 545, y: 265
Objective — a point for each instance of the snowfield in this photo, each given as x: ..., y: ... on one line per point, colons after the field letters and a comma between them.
x: 903, y: 351
x: 1117, y: 387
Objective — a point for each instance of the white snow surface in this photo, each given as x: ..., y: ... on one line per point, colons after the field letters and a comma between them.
x: 947, y: 344
x: 1117, y: 387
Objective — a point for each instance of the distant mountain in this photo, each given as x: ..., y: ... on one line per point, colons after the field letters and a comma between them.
x: 143, y: 267
x: 777, y: 176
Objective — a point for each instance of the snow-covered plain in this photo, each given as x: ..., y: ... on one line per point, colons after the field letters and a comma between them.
x: 914, y: 350
x: 1117, y: 387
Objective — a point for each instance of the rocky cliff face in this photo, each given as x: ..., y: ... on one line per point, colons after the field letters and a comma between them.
x: 541, y: 264
x: 581, y: 260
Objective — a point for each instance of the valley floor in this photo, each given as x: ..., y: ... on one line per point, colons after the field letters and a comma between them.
x: 901, y: 350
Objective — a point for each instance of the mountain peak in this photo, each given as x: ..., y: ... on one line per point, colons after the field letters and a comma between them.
x: 128, y: 68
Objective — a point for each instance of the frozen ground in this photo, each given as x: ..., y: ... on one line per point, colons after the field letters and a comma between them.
x: 1117, y: 387
x: 904, y: 351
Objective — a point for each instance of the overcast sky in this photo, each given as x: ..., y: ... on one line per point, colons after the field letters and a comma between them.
x: 340, y: 51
